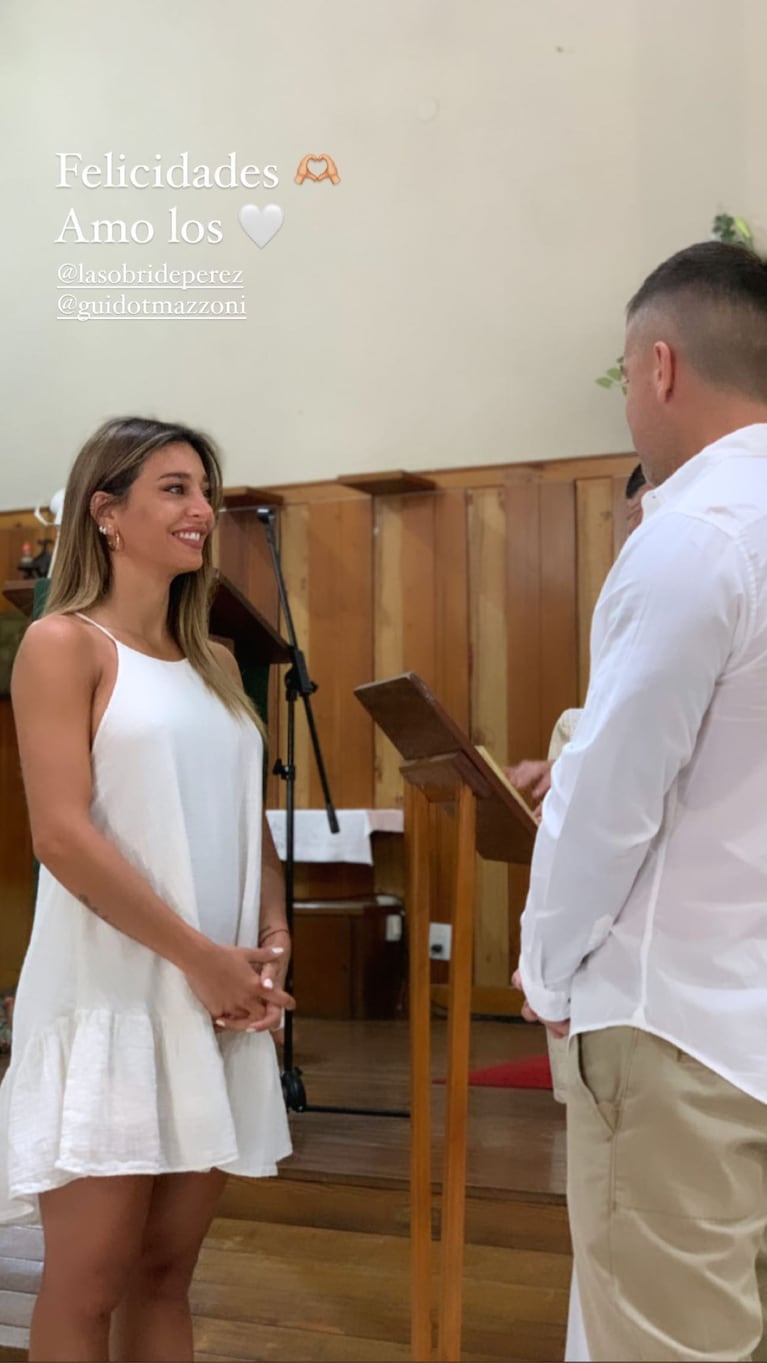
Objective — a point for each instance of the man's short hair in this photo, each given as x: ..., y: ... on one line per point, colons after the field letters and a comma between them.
x: 636, y: 481
x: 715, y: 294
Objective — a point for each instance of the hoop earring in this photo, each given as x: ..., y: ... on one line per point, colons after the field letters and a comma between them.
x: 115, y: 544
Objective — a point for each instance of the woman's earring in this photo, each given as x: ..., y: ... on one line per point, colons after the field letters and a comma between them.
x: 116, y: 544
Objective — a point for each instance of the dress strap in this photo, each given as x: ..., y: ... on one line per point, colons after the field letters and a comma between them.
x: 98, y: 626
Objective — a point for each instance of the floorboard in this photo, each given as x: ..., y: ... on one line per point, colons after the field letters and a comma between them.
x: 313, y: 1265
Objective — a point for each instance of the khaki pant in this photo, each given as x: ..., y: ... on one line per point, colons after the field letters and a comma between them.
x: 667, y: 1191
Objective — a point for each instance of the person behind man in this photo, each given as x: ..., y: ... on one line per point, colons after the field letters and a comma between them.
x: 532, y: 776
x: 646, y: 921
x: 636, y: 487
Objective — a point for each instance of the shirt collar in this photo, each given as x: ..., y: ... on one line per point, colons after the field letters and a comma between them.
x: 746, y: 440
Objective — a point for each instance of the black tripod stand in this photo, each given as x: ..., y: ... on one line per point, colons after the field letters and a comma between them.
x: 299, y: 683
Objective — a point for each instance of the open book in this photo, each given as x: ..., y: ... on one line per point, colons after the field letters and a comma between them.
x: 503, y: 778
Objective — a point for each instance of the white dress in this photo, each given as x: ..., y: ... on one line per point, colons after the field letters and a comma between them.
x: 116, y: 1067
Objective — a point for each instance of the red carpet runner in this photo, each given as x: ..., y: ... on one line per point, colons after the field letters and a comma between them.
x: 533, y: 1072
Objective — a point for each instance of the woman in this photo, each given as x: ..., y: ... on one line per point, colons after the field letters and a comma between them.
x: 142, y: 1069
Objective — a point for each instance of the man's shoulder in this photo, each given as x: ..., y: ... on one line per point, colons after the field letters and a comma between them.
x: 730, y: 495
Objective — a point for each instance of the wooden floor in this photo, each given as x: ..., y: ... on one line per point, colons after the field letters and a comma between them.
x: 314, y: 1265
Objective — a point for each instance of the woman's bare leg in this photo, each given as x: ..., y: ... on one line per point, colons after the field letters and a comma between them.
x: 93, y: 1229
x: 153, y: 1323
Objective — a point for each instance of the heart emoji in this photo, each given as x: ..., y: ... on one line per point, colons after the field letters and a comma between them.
x: 328, y: 171
x: 316, y: 163
x: 261, y: 224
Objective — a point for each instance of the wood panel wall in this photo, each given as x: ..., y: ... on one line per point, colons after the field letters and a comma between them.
x: 16, y: 864
x: 16, y: 528
x: 484, y: 586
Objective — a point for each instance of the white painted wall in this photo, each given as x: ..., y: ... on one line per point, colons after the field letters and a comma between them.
x: 510, y: 170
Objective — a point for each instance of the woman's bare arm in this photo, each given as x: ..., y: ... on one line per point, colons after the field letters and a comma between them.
x: 273, y: 925
x: 52, y: 690
x: 52, y: 687
x: 272, y: 918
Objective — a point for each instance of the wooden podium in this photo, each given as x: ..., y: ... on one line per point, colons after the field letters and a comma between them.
x: 256, y: 642
x: 441, y: 766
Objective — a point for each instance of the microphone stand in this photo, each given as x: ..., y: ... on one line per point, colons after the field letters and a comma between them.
x: 298, y: 683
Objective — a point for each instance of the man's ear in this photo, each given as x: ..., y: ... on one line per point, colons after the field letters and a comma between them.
x: 664, y: 370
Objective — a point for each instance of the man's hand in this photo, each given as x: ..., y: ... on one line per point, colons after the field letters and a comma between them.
x: 557, y: 1029
x: 533, y: 776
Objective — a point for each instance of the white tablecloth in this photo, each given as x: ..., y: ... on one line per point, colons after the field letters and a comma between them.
x: 315, y: 842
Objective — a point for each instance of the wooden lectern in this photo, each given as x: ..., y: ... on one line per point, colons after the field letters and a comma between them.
x: 256, y: 642
x: 441, y: 766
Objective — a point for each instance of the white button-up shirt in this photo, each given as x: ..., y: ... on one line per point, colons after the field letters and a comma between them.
x: 648, y: 889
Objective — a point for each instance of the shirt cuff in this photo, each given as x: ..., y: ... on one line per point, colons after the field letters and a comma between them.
x: 553, y: 1005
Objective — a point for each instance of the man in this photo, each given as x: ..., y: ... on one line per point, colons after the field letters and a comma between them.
x: 646, y: 922
x: 532, y: 776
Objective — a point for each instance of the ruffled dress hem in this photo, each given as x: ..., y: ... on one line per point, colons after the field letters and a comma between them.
x: 102, y: 1093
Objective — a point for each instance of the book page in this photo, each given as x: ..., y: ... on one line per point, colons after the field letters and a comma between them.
x: 503, y: 778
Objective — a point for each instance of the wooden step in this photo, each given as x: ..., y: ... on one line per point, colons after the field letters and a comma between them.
x: 314, y: 1264
x: 276, y: 1291
x: 520, y: 1223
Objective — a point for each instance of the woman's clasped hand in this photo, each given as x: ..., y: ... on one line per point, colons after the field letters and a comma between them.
x: 242, y: 987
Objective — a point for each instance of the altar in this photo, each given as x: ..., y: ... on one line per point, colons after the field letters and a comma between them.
x: 349, y: 948
x: 352, y: 845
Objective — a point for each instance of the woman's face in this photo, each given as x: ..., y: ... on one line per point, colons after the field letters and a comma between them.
x: 167, y: 516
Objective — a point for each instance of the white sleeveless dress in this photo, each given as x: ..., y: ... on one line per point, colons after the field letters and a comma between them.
x: 116, y: 1067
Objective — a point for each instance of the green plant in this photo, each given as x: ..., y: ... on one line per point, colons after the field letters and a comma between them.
x: 725, y: 227
x: 613, y: 377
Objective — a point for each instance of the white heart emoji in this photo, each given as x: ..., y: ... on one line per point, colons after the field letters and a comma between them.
x: 261, y: 224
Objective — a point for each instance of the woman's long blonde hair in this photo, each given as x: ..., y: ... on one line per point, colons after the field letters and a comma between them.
x: 110, y: 462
